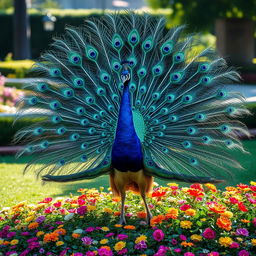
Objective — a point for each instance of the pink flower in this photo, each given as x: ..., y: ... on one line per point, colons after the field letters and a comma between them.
x: 110, y: 234
x: 174, y: 241
x: 122, y: 236
x: 183, y: 238
x: 89, y: 253
x: 234, y: 245
x: 189, y: 254
x: 158, y: 235
x: 90, y: 229
x: 104, y: 252
x: 185, y: 207
x: 123, y: 251
x: 254, y: 222
x: 243, y: 253
x: 78, y: 254
x: 213, y: 254
x: 242, y: 232
x: 49, y: 209
x: 82, y: 210
x: 57, y: 204
x: 177, y: 250
x: 209, y: 233
x: 47, y: 200
x: 80, y: 201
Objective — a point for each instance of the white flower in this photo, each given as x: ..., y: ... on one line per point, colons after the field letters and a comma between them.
x: 78, y: 231
x: 69, y: 216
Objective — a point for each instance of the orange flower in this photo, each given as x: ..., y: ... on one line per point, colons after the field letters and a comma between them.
x: 186, y: 244
x: 129, y: 227
x: 245, y: 221
x: 231, y: 189
x: 33, y: 225
x: 157, y: 219
x: 76, y: 235
x: 195, y: 192
x: 218, y: 208
x: 224, y: 223
x: 61, y: 231
x: 51, y: 237
x: 141, y: 215
x: 158, y: 193
x: 190, y: 212
x: 117, y: 213
x: 118, y: 225
x: 172, y: 213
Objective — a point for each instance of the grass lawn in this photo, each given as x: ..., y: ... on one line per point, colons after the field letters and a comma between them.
x: 14, y: 187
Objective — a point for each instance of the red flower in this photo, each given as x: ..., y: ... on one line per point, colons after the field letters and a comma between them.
x: 233, y: 200
x: 242, y: 186
x: 253, y: 188
x: 185, y: 207
x: 242, y: 207
x: 195, y: 192
x: 158, y: 193
x: 197, y: 186
x: 57, y: 204
x: 47, y: 200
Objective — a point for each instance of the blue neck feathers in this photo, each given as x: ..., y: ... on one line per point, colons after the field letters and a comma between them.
x: 126, y: 152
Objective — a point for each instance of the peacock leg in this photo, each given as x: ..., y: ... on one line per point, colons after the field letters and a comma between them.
x: 122, y: 216
x: 149, y: 214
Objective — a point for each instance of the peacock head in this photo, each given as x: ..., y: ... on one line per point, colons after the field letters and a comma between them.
x: 125, y: 75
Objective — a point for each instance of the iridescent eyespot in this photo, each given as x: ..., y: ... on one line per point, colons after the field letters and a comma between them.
x: 193, y: 161
x: 167, y: 48
x: 55, y: 72
x: 42, y: 87
x: 32, y: 100
x: 205, y: 80
x: 78, y: 82
x: 203, y: 67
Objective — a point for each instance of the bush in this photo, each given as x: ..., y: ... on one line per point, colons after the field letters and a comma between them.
x: 8, y: 128
x: 199, y: 220
x: 15, y: 68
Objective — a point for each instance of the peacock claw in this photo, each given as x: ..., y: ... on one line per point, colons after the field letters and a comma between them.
x: 122, y: 221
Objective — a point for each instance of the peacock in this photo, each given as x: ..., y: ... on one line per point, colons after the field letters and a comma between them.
x: 122, y: 95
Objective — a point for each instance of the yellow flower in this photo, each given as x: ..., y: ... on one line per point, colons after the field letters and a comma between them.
x: 239, y: 239
x: 1, y: 241
x: 104, y: 241
x: 196, y: 238
x: 107, y: 210
x: 225, y: 241
x: 60, y: 226
x: 28, y: 219
x: 140, y: 238
x: 203, y: 219
x: 119, y: 246
x: 190, y: 212
x: 186, y: 224
x: 253, y: 183
x: 91, y: 208
x: 227, y: 214
x: 59, y: 243
x: 105, y: 229
x: 39, y: 233
x: 172, y: 184
x: 253, y: 241
x: 14, y: 241
x: 118, y: 225
x: 211, y: 187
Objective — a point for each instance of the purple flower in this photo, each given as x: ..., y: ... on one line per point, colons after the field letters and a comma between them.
x: 40, y: 219
x: 162, y: 250
x: 24, y: 253
x: 78, y: 254
x: 243, y: 253
x: 90, y: 253
x: 87, y: 240
x: 90, y: 229
x: 25, y: 233
x: 33, y: 245
x: 10, y: 253
x: 242, y: 232
x: 174, y: 241
x: 141, y: 245
x: 41, y: 250
x: 209, y: 233
x: 183, y: 238
x: 122, y: 236
x: 11, y: 234
x: 33, y: 239
x: 177, y: 250
x: 123, y: 251
x: 82, y: 210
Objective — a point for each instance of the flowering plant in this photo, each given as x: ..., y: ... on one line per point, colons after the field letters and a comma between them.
x: 8, y: 96
x: 189, y: 221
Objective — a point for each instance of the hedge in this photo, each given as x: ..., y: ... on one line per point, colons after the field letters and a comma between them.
x: 41, y: 39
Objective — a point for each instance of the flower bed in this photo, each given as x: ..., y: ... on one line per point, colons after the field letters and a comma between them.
x: 196, y: 220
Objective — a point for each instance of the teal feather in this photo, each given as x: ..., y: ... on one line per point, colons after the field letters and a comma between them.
x: 183, y: 115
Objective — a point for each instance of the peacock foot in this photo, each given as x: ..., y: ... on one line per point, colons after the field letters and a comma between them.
x: 149, y: 217
x: 122, y: 220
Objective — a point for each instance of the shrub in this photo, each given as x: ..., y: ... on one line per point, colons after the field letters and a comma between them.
x: 189, y: 221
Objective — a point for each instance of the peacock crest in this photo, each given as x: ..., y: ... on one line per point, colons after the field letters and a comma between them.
x: 184, y: 118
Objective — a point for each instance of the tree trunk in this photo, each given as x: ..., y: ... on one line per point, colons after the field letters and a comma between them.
x: 235, y: 40
x: 21, y: 31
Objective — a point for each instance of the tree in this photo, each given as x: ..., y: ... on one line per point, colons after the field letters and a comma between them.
x: 5, y: 4
x: 201, y: 14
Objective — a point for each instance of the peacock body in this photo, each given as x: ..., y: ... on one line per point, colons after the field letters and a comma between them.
x: 123, y: 96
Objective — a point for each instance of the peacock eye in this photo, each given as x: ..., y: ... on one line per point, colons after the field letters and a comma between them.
x: 141, y: 72
x: 116, y: 66
x: 131, y: 63
x: 147, y: 45
x: 134, y: 39
x: 56, y: 72
x: 157, y: 70
x: 117, y: 43
x: 166, y: 49
x: 76, y: 59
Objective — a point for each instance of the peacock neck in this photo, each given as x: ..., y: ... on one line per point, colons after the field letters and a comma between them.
x: 126, y: 151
